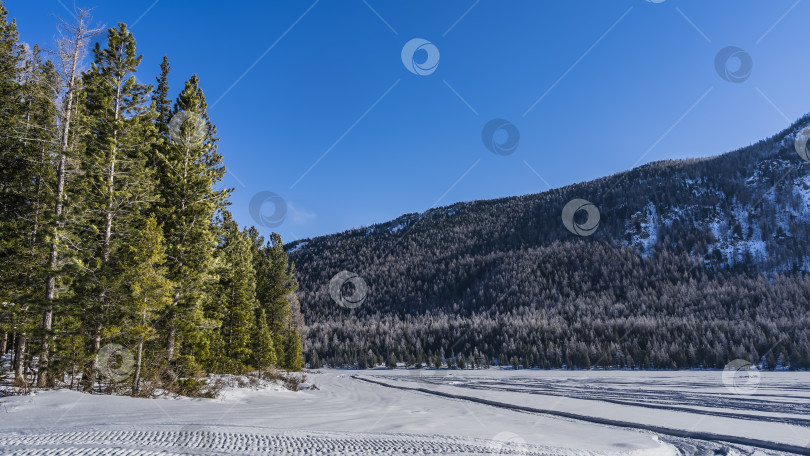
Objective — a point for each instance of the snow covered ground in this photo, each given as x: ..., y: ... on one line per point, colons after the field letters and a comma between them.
x: 430, y: 412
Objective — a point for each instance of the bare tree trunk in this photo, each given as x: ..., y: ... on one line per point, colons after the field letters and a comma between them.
x: 19, y: 360
x: 171, y: 339
x: 172, y: 330
x: 136, y: 387
x: 89, y: 375
x: 4, y: 344
x: 13, y: 349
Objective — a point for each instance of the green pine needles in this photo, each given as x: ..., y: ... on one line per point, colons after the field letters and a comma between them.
x: 123, y: 269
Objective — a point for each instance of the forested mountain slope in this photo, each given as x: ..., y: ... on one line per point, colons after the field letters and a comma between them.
x: 694, y: 263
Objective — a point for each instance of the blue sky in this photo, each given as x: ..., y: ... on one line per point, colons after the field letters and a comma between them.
x: 312, y: 100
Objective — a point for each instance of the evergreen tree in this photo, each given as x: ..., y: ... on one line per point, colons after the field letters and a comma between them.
x: 70, y: 53
x: 13, y: 178
x: 118, y: 184
x: 163, y: 104
x: 237, y: 292
x: 151, y: 291
x: 264, y: 353
x: 275, y: 284
x: 37, y: 135
x: 293, y: 355
x: 189, y: 170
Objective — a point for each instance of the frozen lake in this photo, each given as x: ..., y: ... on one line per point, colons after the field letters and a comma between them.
x: 434, y: 412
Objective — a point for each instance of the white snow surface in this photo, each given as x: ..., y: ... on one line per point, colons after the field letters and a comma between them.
x: 349, y: 416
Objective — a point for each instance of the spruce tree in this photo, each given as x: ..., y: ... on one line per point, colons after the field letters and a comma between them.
x: 37, y: 141
x: 27, y: 126
x: 163, y: 104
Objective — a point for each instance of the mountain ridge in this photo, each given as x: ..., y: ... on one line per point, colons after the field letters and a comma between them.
x: 715, y: 221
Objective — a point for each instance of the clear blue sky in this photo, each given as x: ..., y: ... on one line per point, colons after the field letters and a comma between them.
x: 626, y: 82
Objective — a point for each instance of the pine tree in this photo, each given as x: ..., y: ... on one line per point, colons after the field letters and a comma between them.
x: 264, y: 353
x: 163, y: 104
x: 71, y: 51
x: 276, y: 283
x: 293, y: 357
x: 237, y: 292
x: 37, y: 141
x: 13, y: 176
x: 13, y: 164
x: 150, y: 290
x: 119, y: 187
x: 189, y: 170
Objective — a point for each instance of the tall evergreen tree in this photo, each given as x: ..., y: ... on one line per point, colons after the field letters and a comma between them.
x: 264, y: 352
x: 189, y: 173
x: 276, y: 283
x: 119, y: 185
x: 163, y: 104
x: 150, y: 290
x: 27, y: 126
x: 71, y: 51
x: 293, y: 357
x: 13, y: 163
x: 237, y: 292
x: 37, y: 141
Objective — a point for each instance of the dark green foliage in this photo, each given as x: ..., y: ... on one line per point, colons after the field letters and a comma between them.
x: 293, y: 358
x: 113, y: 229
x: 236, y: 293
x: 189, y: 172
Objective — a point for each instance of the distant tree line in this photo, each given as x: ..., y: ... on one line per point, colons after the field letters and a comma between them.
x: 583, y: 305
x: 114, y: 227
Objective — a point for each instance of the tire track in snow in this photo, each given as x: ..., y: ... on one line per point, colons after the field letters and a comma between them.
x: 202, y: 441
